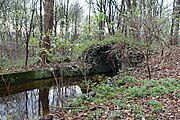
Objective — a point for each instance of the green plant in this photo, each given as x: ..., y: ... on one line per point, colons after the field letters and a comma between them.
x: 158, y: 90
x: 136, y: 91
x: 167, y: 82
x: 115, y: 115
x: 76, y: 102
x: 138, y: 112
x: 151, y: 83
x: 13, y: 116
x: 106, y: 91
x: 178, y: 95
x: 156, y: 105
x: 74, y: 111
x: 129, y: 79
x: 99, y: 100
x: 91, y: 116
x: 119, y: 103
x: 99, y: 112
x: 120, y: 83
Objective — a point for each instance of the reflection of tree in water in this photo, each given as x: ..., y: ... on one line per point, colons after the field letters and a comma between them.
x: 65, y: 94
x: 19, y: 106
x: 44, y: 99
x: 35, y: 103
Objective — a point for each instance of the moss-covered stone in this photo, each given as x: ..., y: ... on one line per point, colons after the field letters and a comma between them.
x: 29, y: 76
x: 109, y: 58
x: 22, y: 77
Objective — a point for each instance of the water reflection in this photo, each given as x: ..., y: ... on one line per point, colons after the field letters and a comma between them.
x: 36, y: 100
x: 44, y: 99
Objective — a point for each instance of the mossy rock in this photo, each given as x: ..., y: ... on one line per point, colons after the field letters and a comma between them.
x: 29, y: 76
x: 22, y: 77
x: 109, y: 58
x: 97, y: 55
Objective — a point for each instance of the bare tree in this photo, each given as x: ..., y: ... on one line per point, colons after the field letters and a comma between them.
x: 174, y: 33
x: 48, y: 27
x: 28, y: 33
x: 177, y: 20
x: 41, y: 24
x: 76, y: 11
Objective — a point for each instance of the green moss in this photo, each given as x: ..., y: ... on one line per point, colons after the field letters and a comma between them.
x: 22, y: 77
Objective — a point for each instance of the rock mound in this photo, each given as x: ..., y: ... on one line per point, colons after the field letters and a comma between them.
x: 109, y: 58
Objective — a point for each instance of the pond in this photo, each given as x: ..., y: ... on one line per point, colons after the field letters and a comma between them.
x: 35, y: 99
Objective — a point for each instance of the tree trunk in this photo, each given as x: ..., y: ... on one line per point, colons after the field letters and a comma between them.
x: 89, y: 18
x: 48, y: 27
x: 28, y: 34
x: 55, y: 19
x: 17, y: 26
x: 177, y: 20
x: 41, y: 25
x: 172, y: 25
x: 67, y: 20
x: 109, y: 20
x: 43, y: 97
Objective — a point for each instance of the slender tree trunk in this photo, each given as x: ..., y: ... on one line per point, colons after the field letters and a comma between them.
x: 67, y: 19
x: 128, y: 2
x: 55, y: 19
x: 89, y: 18
x: 109, y: 18
x: 26, y: 94
x: 113, y: 12
x: 177, y: 20
x: 48, y: 27
x: 173, y: 39
x: 41, y: 25
x: 1, y: 4
x: 75, y: 26
x: 121, y: 19
x: 162, y: 1
x: 17, y: 25
x: 102, y: 10
x: 28, y: 34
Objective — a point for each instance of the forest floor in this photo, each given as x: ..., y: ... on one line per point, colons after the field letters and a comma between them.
x: 129, y: 97
x: 133, y: 97
x: 161, y: 65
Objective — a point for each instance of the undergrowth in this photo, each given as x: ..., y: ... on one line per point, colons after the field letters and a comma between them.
x: 128, y: 97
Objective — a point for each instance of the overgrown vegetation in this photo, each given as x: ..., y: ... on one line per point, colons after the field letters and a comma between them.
x: 133, y: 99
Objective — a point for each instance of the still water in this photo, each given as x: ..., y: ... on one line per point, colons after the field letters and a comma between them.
x: 35, y: 99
